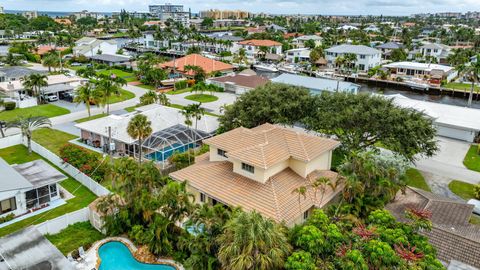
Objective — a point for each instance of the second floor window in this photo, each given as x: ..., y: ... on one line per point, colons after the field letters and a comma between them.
x: 362, y: 56
x: 221, y: 152
x: 248, y: 168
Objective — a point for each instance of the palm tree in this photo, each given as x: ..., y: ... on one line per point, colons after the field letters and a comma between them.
x: 87, y: 94
x: 50, y: 60
x: 322, y: 183
x: 301, y: 192
x: 34, y: 82
x: 139, y: 128
x: 28, y: 125
x: 250, y: 241
x: 472, y: 72
x: 162, y: 99
x: 108, y: 86
x: 148, y: 98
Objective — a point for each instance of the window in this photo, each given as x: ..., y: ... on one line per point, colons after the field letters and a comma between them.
x: 8, y: 205
x: 362, y: 56
x: 203, y: 198
x: 221, y: 152
x: 53, y: 190
x: 248, y: 168
x: 305, y: 215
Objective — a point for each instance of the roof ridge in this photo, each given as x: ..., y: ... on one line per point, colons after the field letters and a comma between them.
x: 303, y: 146
x: 275, y: 200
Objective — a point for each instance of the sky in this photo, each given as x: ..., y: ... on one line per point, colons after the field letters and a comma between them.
x: 323, y: 7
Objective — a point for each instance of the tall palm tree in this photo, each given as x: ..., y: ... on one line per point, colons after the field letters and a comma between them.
x: 139, y: 128
x: 250, y: 241
x: 301, y: 192
x: 34, y: 82
x: 472, y: 72
x: 50, y: 60
x: 109, y: 86
x: 87, y: 94
x: 28, y: 125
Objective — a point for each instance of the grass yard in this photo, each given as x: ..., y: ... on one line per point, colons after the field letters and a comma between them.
x: 90, y: 118
x: 416, y: 179
x: 472, y: 159
x: 176, y: 92
x: 462, y: 189
x: 475, y: 220
x: 124, y: 95
x: 129, y: 77
x: 83, y: 197
x: 130, y: 109
x: 47, y: 110
x: 75, y: 236
x: 203, y: 98
x: 146, y: 86
x: 52, y: 139
x: 461, y: 86
x: 178, y: 106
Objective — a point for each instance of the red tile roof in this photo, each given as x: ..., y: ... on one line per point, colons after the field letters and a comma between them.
x: 260, y: 42
x: 207, y: 64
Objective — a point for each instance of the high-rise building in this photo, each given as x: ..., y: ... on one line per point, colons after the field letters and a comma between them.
x: 169, y: 11
x: 224, y: 14
x: 1, y: 10
x: 30, y: 14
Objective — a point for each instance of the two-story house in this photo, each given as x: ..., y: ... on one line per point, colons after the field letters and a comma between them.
x: 260, y: 169
x: 254, y: 47
x: 91, y: 46
x: 367, y: 57
x: 437, y: 51
x: 299, y: 42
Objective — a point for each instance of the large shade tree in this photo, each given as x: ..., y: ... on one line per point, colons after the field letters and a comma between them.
x: 361, y: 121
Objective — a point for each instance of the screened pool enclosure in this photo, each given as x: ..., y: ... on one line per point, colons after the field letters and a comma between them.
x: 164, y: 143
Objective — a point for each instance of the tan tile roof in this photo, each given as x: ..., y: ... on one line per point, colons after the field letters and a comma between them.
x: 260, y: 42
x: 274, y: 199
x: 207, y: 64
x: 268, y: 144
x: 452, y: 234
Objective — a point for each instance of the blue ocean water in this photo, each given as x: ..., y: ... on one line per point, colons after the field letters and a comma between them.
x: 53, y: 14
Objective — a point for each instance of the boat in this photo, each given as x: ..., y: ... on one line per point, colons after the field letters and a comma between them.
x: 171, y: 82
x: 288, y: 69
x: 265, y: 67
x: 418, y: 85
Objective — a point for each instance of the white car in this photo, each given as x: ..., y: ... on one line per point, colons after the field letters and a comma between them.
x: 476, y: 203
x: 50, y: 97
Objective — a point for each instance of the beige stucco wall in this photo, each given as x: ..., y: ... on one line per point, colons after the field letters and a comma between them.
x: 322, y: 162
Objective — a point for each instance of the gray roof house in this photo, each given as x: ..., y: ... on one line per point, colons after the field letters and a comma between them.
x: 317, y: 85
x: 111, y: 59
x: 390, y: 46
x: 452, y: 235
x: 8, y: 74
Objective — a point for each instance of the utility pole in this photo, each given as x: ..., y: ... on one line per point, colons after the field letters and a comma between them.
x: 110, y: 153
x: 60, y: 56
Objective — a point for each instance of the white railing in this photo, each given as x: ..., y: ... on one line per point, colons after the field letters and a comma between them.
x: 10, y: 141
x: 91, y: 184
x: 55, y: 225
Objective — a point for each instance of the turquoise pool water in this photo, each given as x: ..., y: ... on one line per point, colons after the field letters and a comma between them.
x: 166, y: 152
x: 116, y: 256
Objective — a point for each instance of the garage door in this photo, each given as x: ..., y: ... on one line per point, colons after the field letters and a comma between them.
x: 454, y: 133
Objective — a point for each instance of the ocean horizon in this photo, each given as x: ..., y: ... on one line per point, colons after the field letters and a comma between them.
x: 54, y: 14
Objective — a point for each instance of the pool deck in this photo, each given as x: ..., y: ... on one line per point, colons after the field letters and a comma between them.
x: 91, y: 257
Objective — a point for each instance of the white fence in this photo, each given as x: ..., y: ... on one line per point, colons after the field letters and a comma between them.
x: 91, y: 184
x: 55, y: 225
x: 10, y: 141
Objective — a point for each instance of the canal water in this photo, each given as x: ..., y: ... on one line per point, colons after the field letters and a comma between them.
x: 391, y: 90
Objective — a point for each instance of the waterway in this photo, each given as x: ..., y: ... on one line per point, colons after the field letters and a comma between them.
x: 391, y: 90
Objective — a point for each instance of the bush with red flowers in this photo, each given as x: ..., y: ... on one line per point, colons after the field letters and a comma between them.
x: 84, y: 160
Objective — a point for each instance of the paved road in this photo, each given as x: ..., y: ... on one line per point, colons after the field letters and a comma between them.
x: 449, y: 162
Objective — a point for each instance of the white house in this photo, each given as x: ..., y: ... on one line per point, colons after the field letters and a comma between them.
x: 91, y: 46
x: 28, y: 187
x: 372, y: 28
x: 438, y: 51
x: 253, y: 47
x: 367, y: 57
x: 150, y: 42
x: 422, y: 70
x: 298, y: 55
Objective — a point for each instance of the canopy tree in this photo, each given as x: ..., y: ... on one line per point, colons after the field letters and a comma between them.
x: 273, y: 103
x: 361, y: 121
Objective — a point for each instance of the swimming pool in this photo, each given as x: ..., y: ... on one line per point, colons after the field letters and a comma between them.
x: 115, y: 255
x: 168, y: 151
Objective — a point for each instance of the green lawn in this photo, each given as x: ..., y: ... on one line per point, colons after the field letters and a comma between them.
x: 52, y: 139
x: 146, y: 86
x: 472, y: 159
x: 129, y: 77
x: 203, y: 98
x: 178, y: 106
x: 130, y: 109
x: 75, y: 236
x: 83, y: 197
x: 461, y: 86
x: 462, y: 189
x: 47, y: 110
x: 416, y: 179
x: 124, y: 95
x: 186, y: 90
x: 475, y: 220
x: 90, y: 118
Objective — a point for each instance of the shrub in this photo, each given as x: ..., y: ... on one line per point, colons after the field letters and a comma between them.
x: 84, y: 160
x: 181, y: 85
x: 476, y: 191
x: 7, y: 218
x: 9, y: 105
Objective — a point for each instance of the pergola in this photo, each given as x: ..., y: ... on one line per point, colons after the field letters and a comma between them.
x: 178, y: 138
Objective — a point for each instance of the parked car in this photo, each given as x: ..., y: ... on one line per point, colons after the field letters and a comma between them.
x: 75, y: 64
x: 67, y: 96
x: 50, y: 97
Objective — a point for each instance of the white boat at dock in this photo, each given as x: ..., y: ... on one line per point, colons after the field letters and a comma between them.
x: 265, y: 67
